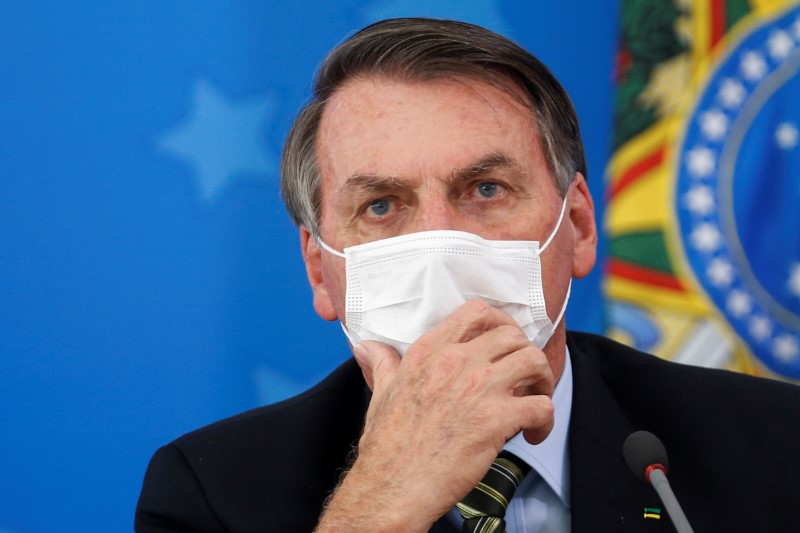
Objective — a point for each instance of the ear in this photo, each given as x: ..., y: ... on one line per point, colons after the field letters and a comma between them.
x: 581, y: 214
x: 312, y: 256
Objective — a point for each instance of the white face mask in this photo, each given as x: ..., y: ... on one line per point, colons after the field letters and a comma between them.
x: 400, y: 288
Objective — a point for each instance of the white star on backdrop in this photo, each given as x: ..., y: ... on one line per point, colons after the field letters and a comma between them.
x: 700, y: 162
x: 720, y: 272
x: 714, y: 124
x: 786, y: 135
x: 779, y: 44
x: 786, y: 348
x: 221, y: 139
x: 486, y: 13
x: 272, y: 386
x: 794, y: 280
x: 753, y: 66
x: 706, y: 237
x: 760, y: 328
x: 699, y: 200
x: 739, y: 303
x: 731, y: 93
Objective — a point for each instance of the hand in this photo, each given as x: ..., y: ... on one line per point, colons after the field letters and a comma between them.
x: 438, y: 418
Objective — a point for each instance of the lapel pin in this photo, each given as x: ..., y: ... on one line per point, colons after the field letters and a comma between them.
x: 652, y: 512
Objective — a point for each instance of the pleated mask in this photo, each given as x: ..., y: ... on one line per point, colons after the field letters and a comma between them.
x: 402, y: 287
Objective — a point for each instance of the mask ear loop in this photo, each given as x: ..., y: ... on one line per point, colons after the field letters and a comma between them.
x: 350, y: 337
x: 328, y: 248
x: 563, y: 306
x: 545, y: 245
x: 558, y: 225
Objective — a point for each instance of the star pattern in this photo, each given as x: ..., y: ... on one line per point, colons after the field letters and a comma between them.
x: 714, y: 124
x: 739, y: 303
x: 786, y: 348
x: 700, y: 162
x: 222, y: 140
x: 731, y: 93
x: 720, y: 272
x: 753, y: 66
x: 760, y: 328
x: 794, y: 279
x: 773, y: 339
x: 786, y: 135
x: 780, y: 43
x: 706, y: 238
x: 272, y: 386
x: 699, y: 200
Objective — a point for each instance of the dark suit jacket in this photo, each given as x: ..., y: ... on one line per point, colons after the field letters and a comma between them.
x: 732, y: 442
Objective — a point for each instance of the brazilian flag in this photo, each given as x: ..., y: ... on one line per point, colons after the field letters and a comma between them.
x: 703, y: 195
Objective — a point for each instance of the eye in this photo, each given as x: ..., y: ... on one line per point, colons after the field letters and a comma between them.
x: 380, y: 206
x: 487, y: 189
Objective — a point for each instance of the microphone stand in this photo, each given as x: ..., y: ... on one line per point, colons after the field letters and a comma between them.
x: 659, y: 481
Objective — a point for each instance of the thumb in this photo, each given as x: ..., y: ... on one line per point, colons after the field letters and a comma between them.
x: 378, y: 362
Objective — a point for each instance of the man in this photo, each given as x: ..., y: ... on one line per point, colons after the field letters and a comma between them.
x: 447, y: 164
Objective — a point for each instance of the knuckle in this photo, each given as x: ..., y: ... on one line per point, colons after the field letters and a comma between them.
x: 418, y: 351
x: 546, y: 409
x: 450, y: 360
x: 536, y: 359
x: 480, y: 379
x: 529, y: 360
x: 538, y: 409
x: 515, y: 334
x: 474, y: 317
x: 478, y: 308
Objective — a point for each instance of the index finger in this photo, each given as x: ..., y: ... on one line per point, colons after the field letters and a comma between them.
x: 470, y: 320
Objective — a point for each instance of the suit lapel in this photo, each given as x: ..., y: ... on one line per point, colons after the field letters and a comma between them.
x: 605, y: 495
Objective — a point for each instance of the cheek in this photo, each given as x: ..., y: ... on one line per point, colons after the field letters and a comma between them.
x: 333, y: 273
x: 556, y: 274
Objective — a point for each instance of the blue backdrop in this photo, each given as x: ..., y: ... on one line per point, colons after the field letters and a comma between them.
x: 150, y: 281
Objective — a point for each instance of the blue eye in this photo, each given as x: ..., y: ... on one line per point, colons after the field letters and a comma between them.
x: 487, y: 189
x: 380, y: 206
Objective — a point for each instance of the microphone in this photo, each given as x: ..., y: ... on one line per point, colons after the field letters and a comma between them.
x: 647, y: 457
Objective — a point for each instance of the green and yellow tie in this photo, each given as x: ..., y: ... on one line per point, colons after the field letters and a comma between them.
x: 485, y: 506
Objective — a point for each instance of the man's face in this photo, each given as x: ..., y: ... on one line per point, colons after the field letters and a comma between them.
x: 399, y: 157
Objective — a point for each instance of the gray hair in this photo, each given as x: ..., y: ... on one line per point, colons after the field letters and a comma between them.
x: 418, y: 49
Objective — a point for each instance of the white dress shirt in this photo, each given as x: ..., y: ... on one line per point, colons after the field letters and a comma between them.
x: 541, y: 503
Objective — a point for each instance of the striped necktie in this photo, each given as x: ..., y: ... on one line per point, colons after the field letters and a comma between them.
x: 485, y: 506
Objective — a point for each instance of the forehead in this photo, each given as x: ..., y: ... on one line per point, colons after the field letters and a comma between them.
x: 421, y: 129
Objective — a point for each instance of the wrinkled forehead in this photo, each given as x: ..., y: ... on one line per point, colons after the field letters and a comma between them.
x: 385, y: 126
x: 466, y: 75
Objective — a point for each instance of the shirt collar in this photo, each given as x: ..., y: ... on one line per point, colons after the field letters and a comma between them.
x: 549, y: 458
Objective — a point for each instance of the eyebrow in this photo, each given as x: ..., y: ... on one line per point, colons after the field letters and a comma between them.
x: 483, y: 166
x: 374, y: 182
x: 380, y: 183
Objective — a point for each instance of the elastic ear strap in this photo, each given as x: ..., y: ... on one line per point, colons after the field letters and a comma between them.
x: 328, y: 248
x: 563, y: 306
x: 558, y: 225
